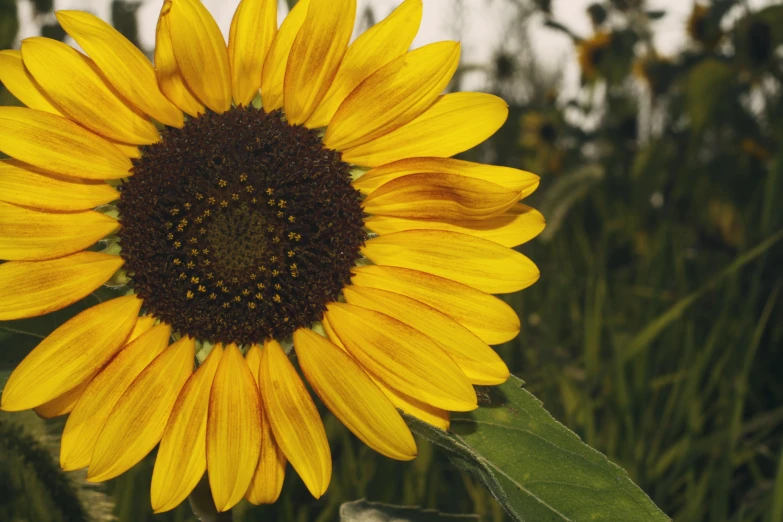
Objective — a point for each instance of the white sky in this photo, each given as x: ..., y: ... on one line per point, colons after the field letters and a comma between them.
x: 480, y: 32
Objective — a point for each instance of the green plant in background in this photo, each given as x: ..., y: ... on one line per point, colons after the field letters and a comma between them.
x: 653, y: 334
x: 660, y: 341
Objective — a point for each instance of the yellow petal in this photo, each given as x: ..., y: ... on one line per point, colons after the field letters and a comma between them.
x: 131, y: 151
x: 479, y: 362
x: 94, y: 407
x: 422, y: 411
x: 233, y: 430
x: 170, y: 78
x: 440, y: 196
x: 373, y: 49
x: 123, y: 65
x: 67, y: 401
x: 316, y: 55
x: 31, y: 288
x: 70, y: 354
x: 73, y: 83
x: 273, y: 74
x: 21, y: 84
x: 201, y: 53
x: 491, y: 319
x: 58, y: 145
x: 402, y: 357
x: 62, y: 404
x: 453, y: 124
x: 295, y: 422
x: 31, y: 235
x: 418, y: 409
x: 253, y: 361
x: 182, y: 456
x: 393, y: 95
x: 268, y: 479
x: 252, y: 31
x: 26, y: 185
x: 352, y: 396
x: 143, y: 325
x: 137, y: 422
x: 476, y: 262
x: 513, y: 179
x: 516, y: 226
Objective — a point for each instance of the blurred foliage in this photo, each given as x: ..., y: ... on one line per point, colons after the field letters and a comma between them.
x: 28, y: 471
x: 123, y: 18
x: 9, y: 23
x: 656, y: 328
x: 32, y: 487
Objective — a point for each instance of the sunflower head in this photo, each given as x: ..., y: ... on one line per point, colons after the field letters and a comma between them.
x: 284, y: 193
x: 592, y: 52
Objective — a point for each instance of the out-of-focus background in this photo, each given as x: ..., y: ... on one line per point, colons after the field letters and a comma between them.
x: 656, y: 330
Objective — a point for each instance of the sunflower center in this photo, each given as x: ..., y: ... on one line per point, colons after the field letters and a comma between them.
x: 239, y: 227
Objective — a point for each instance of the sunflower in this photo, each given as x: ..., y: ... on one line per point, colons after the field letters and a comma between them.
x: 285, y: 193
x: 591, y: 52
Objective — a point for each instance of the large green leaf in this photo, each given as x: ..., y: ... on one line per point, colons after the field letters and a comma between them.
x: 535, y: 467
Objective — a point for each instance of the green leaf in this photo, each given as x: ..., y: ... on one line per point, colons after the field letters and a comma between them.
x: 363, y: 511
x: 708, y: 83
x: 536, y: 468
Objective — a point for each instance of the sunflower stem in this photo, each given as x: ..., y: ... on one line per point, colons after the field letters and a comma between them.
x: 204, y: 507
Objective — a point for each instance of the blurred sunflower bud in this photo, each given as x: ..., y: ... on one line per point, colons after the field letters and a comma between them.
x: 704, y: 26
x: 504, y: 66
x: 597, y: 14
x: 43, y: 6
x: 756, y: 40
